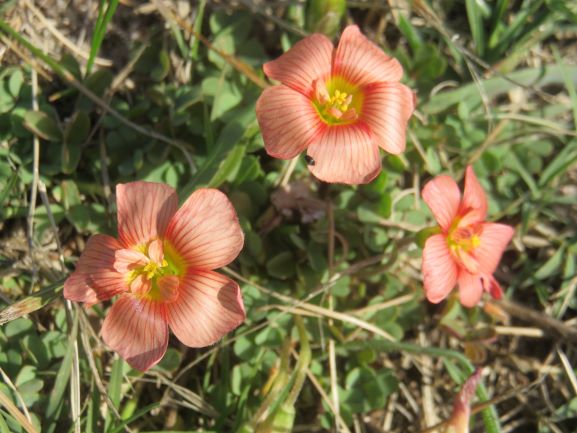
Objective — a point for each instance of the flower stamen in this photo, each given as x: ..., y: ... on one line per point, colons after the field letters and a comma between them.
x: 336, y: 101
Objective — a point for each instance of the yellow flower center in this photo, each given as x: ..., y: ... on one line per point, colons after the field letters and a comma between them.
x: 154, y: 270
x: 337, y: 101
x: 462, y: 242
x: 144, y: 279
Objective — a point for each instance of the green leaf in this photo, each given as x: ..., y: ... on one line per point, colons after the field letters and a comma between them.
x: 325, y: 16
x: 225, y: 92
x: 15, y: 83
x: 281, y: 266
x: 229, y: 168
x: 75, y: 134
x: 97, y: 83
x: 559, y: 165
x: 42, y: 125
x: 551, y: 266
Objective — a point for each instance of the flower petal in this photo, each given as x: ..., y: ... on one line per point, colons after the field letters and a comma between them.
x: 491, y: 285
x: 442, y: 195
x: 307, y: 60
x: 137, y: 330
x: 361, y: 62
x: 345, y: 154
x: 493, y: 240
x: 168, y: 286
x: 474, y: 197
x: 128, y: 259
x: 387, y: 109
x: 288, y: 121
x: 205, y: 231
x: 155, y: 251
x: 140, y: 285
x: 439, y: 269
x: 208, y: 306
x: 144, y: 210
x: 470, y: 288
x: 95, y: 278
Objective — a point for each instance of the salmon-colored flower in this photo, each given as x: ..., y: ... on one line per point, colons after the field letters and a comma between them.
x: 339, y: 104
x: 162, y: 269
x: 459, y: 421
x: 468, y: 249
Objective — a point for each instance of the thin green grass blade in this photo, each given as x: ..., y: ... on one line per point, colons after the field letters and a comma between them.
x: 560, y: 164
x: 496, y: 86
x: 475, y: 16
x: 104, y: 17
x: 529, y: 19
x: 61, y: 382
x: 133, y: 418
x: 197, y: 28
x: 498, y: 12
x: 3, y: 426
x: 114, y: 389
x: 568, y: 83
x: 92, y: 413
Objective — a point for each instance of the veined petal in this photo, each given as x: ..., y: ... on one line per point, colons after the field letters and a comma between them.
x: 205, y: 231
x: 493, y: 240
x: 439, y: 269
x: 468, y: 261
x: 140, y: 285
x: 128, y: 259
x: 474, y: 197
x: 168, y: 286
x: 95, y: 278
x: 361, y: 62
x: 387, y: 109
x: 156, y: 251
x: 345, y: 154
x: 137, y: 330
x: 442, y: 195
x: 144, y: 210
x: 307, y: 60
x: 208, y: 306
x: 470, y: 288
x: 288, y: 121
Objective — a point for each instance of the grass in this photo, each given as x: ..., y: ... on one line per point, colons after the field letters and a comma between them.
x: 338, y: 335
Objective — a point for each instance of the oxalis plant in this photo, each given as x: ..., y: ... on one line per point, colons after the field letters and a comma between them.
x: 319, y: 216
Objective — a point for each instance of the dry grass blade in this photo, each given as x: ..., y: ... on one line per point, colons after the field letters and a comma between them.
x: 315, y: 308
x: 72, y: 81
x: 13, y: 410
x: 61, y: 38
x: 555, y: 327
x: 31, y: 303
x: 84, y: 328
x: 191, y: 399
x: 240, y: 66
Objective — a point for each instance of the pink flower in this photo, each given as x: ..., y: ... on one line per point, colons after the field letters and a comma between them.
x: 468, y: 249
x: 459, y: 422
x: 162, y: 269
x: 339, y: 104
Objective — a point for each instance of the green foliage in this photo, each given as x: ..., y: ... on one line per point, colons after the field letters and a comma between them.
x: 183, y: 114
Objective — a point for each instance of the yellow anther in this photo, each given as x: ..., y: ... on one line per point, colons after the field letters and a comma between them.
x: 150, y: 270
